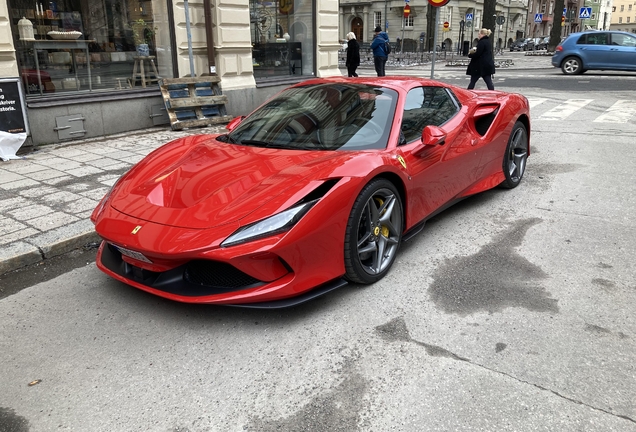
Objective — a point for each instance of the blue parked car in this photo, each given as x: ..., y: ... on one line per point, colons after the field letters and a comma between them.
x: 600, y: 50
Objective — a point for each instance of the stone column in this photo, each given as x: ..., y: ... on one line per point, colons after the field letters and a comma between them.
x: 8, y: 61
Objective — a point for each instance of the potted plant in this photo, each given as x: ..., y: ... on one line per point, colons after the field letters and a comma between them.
x: 143, y: 34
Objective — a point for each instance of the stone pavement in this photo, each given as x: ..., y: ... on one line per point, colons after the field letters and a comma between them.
x: 47, y: 197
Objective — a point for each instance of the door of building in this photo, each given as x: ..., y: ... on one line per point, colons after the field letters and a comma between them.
x: 357, y: 28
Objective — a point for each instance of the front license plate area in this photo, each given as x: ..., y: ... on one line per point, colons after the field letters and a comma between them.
x: 132, y: 254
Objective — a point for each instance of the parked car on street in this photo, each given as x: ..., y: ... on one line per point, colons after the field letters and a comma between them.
x: 543, y: 43
x: 317, y: 187
x: 528, y: 44
x: 517, y: 45
x: 596, y: 50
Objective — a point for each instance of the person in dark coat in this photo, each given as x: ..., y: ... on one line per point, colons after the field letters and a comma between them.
x: 481, y: 61
x: 353, y: 54
x: 379, y: 52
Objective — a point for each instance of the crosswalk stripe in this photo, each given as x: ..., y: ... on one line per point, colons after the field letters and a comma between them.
x: 535, y: 101
x: 621, y: 112
x: 565, y: 109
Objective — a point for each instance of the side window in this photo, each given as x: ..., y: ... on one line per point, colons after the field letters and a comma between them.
x: 597, y: 39
x: 623, y: 40
x: 426, y: 106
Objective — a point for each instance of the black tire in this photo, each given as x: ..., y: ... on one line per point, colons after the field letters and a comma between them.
x: 514, y: 160
x: 572, y: 66
x: 374, y: 232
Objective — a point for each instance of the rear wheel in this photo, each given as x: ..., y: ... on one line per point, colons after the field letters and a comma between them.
x: 374, y: 232
x: 514, y: 160
x: 572, y: 66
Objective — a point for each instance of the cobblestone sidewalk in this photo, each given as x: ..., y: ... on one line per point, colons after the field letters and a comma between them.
x: 47, y: 197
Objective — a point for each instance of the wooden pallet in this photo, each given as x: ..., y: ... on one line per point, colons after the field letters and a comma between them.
x: 194, y: 102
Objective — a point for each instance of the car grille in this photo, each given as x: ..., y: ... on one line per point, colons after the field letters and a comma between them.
x: 195, y: 278
x: 218, y: 275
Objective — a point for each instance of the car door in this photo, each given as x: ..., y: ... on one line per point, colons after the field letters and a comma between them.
x: 595, y: 51
x: 623, y: 51
x: 442, y: 171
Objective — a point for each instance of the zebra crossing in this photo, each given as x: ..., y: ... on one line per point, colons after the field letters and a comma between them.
x: 590, y: 111
x: 586, y: 110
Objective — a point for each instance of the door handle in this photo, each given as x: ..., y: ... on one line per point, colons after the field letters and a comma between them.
x: 474, y: 141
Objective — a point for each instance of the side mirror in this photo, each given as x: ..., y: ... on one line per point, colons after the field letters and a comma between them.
x: 234, y: 123
x: 431, y: 136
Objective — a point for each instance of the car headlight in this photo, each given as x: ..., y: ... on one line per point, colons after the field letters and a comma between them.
x: 278, y: 223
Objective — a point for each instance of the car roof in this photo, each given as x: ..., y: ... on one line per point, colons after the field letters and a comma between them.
x: 397, y: 83
x: 599, y: 31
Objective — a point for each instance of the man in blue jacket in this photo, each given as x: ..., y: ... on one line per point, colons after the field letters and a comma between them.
x: 379, y: 52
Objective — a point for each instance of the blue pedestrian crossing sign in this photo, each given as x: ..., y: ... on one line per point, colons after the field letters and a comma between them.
x: 585, y: 12
x: 565, y: 11
x: 538, y: 18
x: 469, y: 17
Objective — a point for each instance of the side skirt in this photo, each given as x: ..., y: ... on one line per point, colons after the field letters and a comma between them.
x: 293, y: 301
x: 417, y: 228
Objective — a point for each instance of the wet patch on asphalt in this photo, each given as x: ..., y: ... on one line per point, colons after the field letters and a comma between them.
x: 602, y: 331
x: 500, y: 347
x: 493, y: 279
x: 546, y: 169
x: 596, y: 329
x: 396, y: 331
x: 10, y: 421
x: 604, y: 283
x: 339, y: 410
x: 539, y: 174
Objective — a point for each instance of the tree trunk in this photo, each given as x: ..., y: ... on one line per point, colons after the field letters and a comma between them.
x: 489, y: 19
x: 555, y: 33
x: 430, y: 27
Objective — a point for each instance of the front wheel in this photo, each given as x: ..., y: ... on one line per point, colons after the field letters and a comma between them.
x: 572, y: 66
x: 514, y: 160
x: 374, y: 232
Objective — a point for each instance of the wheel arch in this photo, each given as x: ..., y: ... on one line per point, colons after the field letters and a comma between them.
x: 400, y: 186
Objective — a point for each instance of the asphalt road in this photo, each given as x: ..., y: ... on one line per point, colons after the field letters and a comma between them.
x: 512, y: 310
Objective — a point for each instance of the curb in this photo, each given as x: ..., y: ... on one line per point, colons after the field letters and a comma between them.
x: 24, y: 254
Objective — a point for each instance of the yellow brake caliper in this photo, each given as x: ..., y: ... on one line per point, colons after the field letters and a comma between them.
x: 384, y: 228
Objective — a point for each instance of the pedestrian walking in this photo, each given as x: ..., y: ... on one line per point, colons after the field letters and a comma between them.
x: 380, y: 39
x: 353, y: 54
x: 481, y: 61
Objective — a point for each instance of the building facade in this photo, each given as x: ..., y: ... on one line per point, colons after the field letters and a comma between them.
x: 623, y: 15
x: 91, y: 67
x: 458, y: 21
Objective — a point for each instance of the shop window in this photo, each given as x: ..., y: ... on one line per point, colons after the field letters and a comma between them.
x: 282, y: 38
x: 92, y: 45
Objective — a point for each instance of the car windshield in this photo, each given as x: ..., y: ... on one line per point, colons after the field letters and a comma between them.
x: 331, y: 116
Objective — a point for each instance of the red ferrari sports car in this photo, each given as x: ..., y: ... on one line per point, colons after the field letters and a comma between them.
x: 316, y: 188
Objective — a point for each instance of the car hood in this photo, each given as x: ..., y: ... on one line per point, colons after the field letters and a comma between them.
x: 198, y: 182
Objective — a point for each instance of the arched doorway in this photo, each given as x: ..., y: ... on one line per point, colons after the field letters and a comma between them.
x: 357, y: 28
